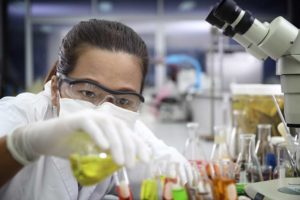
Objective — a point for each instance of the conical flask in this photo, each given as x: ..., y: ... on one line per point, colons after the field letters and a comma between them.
x: 193, y: 149
x: 248, y: 168
x: 220, y: 149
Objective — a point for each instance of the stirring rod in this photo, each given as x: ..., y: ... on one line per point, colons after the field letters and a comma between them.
x: 281, y: 115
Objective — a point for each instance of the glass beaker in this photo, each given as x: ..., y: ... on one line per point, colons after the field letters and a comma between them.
x: 283, y: 168
x: 193, y: 148
x: 248, y: 169
x: 265, y: 151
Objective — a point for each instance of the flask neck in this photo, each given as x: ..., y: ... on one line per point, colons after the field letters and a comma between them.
x: 264, y: 132
x: 192, y: 129
x: 247, y: 144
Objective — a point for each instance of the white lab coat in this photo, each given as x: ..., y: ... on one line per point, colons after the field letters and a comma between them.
x: 50, y: 177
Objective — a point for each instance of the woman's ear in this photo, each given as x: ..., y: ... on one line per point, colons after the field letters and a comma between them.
x: 54, y: 91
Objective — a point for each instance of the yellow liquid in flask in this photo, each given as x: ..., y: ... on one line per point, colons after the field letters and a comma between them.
x: 90, y: 168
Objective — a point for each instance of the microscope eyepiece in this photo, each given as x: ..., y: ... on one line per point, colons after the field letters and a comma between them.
x: 244, y: 24
x: 227, y: 10
x: 229, y: 32
x: 213, y: 20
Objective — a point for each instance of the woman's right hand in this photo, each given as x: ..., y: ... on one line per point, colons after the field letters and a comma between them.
x: 51, y: 138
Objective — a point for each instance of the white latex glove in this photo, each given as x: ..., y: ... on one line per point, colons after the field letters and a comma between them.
x: 162, y: 153
x: 51, y: 137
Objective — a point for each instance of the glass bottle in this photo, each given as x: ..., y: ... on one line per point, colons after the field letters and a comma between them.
x: 220, y: 150
x: 248, y: 169
x: 234, y: 136
x: 265, y: 151
x: 90, y: 165
x: 193, y: 148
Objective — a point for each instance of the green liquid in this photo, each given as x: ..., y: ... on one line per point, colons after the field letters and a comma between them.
x: 240, y: 188
x: 92, y: 169
x: 179, y: 194
x: 149, y: 190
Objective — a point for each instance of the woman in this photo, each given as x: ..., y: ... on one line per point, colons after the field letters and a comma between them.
x: 96, y: 87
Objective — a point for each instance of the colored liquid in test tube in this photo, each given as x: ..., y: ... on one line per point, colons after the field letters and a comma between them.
x: 122, y: 185
x: 124, y: 192
x: 149, y: 190
x: 167, y: 188
x: 179, y: 193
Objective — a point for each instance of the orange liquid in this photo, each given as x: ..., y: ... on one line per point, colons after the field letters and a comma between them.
x: 224, y: 189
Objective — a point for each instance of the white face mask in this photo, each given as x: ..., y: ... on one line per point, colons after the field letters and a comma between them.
x: 69, y: 106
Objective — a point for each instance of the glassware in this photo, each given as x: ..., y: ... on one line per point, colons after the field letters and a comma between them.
x: 199, y: 188
x: 178, y: 190
x: 298, y: 156
x: 265, y: 151
x: 283, y: 168
x: 234, y: 136
x: 150, y: 187
x: 89, y: 163
x: 248, y: 168
x: 169, y: 180
x: 193, y: 148
x: 224, y: 181
x: 220, y: 151
x: 122, y: 185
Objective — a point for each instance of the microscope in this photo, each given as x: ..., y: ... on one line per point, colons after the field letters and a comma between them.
x: 279, y: 40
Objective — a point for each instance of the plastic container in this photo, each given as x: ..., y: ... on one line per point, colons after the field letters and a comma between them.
x: 256, y: 102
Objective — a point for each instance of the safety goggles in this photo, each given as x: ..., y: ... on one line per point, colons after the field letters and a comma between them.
x: 96, y: 93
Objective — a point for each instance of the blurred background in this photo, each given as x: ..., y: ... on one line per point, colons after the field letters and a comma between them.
x: 191, y: 68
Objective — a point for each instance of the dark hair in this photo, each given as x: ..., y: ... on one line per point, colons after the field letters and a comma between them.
x: 103, y: 34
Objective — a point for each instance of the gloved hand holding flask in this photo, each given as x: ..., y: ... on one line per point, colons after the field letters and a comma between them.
x: 101, y: 123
